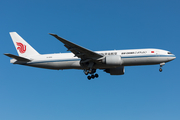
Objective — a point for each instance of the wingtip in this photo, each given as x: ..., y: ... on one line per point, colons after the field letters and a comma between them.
x: 52, y: 34
x: 5, y: 53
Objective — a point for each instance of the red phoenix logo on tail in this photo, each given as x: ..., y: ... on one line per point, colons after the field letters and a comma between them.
x: 21, y: 47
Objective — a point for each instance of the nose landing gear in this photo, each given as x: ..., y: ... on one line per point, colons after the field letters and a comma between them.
x: 161, y: 65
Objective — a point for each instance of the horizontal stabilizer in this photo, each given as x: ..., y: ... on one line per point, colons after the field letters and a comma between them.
x: 17, y: 57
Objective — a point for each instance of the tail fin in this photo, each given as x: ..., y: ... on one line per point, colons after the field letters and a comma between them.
x: 22, y: 47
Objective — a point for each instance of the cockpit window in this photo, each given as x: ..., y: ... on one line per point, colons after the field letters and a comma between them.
x: 169, y: 53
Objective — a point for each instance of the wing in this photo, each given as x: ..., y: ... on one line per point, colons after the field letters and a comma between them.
x: 78, y: 51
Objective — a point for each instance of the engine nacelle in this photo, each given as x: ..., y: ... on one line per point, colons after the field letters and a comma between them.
x: 115, y: 71
x: 112, y: 60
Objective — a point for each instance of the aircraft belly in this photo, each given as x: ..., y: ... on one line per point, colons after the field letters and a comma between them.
x: 58, y: 65
x: 66, y: 65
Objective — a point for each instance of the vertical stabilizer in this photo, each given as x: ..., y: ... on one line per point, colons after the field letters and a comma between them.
x: 22, y: 47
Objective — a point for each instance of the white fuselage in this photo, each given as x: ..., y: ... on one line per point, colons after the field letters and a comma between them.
x: 129, y: 58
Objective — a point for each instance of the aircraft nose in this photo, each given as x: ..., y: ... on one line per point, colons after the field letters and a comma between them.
x: 173, y: 57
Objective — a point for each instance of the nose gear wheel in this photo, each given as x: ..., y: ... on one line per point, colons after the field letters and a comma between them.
x: 161, y: 65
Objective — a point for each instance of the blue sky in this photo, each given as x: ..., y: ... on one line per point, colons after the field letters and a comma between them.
x: 28, y: 93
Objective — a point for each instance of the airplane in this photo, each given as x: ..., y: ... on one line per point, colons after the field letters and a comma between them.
x: 112, y: 62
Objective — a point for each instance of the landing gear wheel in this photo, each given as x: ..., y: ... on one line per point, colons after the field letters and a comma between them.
x: 89, y: 77
x: 93, y: 70
x: 92, y: 76
x: 161, y: 64
x: 90, y: 71
x: 86, y: 72
x: 96, y: 75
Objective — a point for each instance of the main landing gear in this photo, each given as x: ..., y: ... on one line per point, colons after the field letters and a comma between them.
x: 91, y: 71
x: 161, y: 65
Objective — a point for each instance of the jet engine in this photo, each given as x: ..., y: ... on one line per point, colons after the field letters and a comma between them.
x: 115, y: 71
x: 112, y: 60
